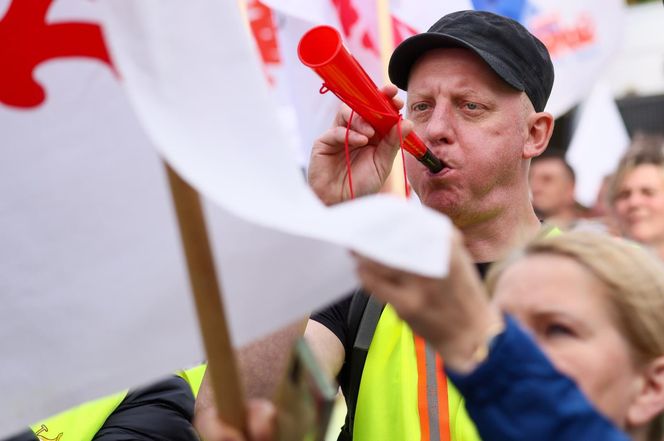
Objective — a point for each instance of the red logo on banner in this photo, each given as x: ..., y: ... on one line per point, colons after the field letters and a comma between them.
x: 561, y: 38
x: 26, y: 41
x: 349, y: 17
x: 401, y: 30
x: 264, y: 30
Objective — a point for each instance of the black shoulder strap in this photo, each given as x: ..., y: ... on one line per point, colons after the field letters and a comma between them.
x: 363, y: 316
x: 357, y: 305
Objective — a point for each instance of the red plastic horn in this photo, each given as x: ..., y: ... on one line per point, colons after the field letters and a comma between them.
x: 322, y: 50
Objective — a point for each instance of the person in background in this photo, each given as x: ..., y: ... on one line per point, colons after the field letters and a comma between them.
x: 636, y: 194
x: 552, y: 184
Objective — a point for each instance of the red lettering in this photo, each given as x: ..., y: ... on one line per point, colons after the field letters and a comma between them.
x: 349, y: 18
x: 264, y: 31
x: 26, y: 41
x: 401, y: 30
x: 368, y: 43
x: 560, y: 39
x: 348, y: 15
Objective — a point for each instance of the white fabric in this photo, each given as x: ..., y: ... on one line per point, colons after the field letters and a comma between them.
x: 595, y: 153
x: 95, y: 292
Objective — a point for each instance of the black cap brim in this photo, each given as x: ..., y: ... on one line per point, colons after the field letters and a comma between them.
x: 411, y: 49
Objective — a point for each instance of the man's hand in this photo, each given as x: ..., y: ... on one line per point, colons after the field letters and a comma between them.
x: 453, y: 314
x: 371, y: 157
x: 261, y: 422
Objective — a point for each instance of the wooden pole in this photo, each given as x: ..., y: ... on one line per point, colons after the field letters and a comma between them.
x: 222, y: 367
x: 386, y: 34
x: 395, y: 182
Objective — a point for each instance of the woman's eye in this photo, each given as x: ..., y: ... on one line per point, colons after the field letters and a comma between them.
x: 558, y: 330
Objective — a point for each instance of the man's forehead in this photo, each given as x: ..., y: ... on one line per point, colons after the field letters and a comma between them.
x: 443, y: 54
x: 479, y: 77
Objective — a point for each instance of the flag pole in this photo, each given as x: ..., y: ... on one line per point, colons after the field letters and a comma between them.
x: 386, y: 34
x: 395, y: 182
x: 222, y: 367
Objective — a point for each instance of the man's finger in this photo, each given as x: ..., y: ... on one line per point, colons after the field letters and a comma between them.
x: 397, y: 102
x: 211, y: 428
x: 358, y: 123
x: 337, y: 137
x: 262, y: 420
x: 389, y: 90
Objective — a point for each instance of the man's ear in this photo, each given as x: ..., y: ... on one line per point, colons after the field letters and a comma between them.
x: 649, y: 401
x: 540, y: 128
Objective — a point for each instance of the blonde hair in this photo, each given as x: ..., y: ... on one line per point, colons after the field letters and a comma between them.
x: 634, y: 279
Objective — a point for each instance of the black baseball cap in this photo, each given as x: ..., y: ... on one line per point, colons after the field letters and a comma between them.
x: 510, y: 50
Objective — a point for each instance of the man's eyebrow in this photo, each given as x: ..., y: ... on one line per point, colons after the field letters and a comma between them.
x: 416, y: 95
x: 469, y: 91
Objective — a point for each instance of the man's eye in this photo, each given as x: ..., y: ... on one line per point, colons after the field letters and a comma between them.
x: 472, y: 106
x: 419, y: 107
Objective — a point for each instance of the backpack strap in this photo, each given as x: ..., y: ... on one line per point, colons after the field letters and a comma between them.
x: 363, y: 317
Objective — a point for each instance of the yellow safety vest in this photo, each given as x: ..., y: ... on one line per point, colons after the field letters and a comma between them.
x: 82, y: 423
x: 404, y: 395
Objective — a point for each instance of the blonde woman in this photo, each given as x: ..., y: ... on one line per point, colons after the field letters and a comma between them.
x: 594, y: 305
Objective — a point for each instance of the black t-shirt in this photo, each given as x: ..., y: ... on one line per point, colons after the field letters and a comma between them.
x: 335, y: 318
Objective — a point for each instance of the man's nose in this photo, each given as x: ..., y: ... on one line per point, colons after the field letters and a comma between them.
x: 439, y: 129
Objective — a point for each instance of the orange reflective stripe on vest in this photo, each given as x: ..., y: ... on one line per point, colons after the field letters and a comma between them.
x: 431, y: 394
x: 404, y: 395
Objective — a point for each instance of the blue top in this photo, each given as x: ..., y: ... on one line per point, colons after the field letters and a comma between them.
x: 517, y: 395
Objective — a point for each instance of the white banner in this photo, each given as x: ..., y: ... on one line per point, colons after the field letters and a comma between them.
x: 93, y: 284
x: 94, y: 287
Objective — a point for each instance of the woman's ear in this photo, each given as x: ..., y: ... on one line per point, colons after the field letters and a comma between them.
x: 540, y: 128
x: 649, y: 401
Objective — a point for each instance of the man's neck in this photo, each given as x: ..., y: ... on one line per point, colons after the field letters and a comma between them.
x: 493, y: 238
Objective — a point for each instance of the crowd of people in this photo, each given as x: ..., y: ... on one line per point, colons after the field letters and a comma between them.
x: 539, y: 332
x: 629, y: 200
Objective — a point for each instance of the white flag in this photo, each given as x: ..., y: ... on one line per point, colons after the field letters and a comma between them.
x: 95, y: 292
